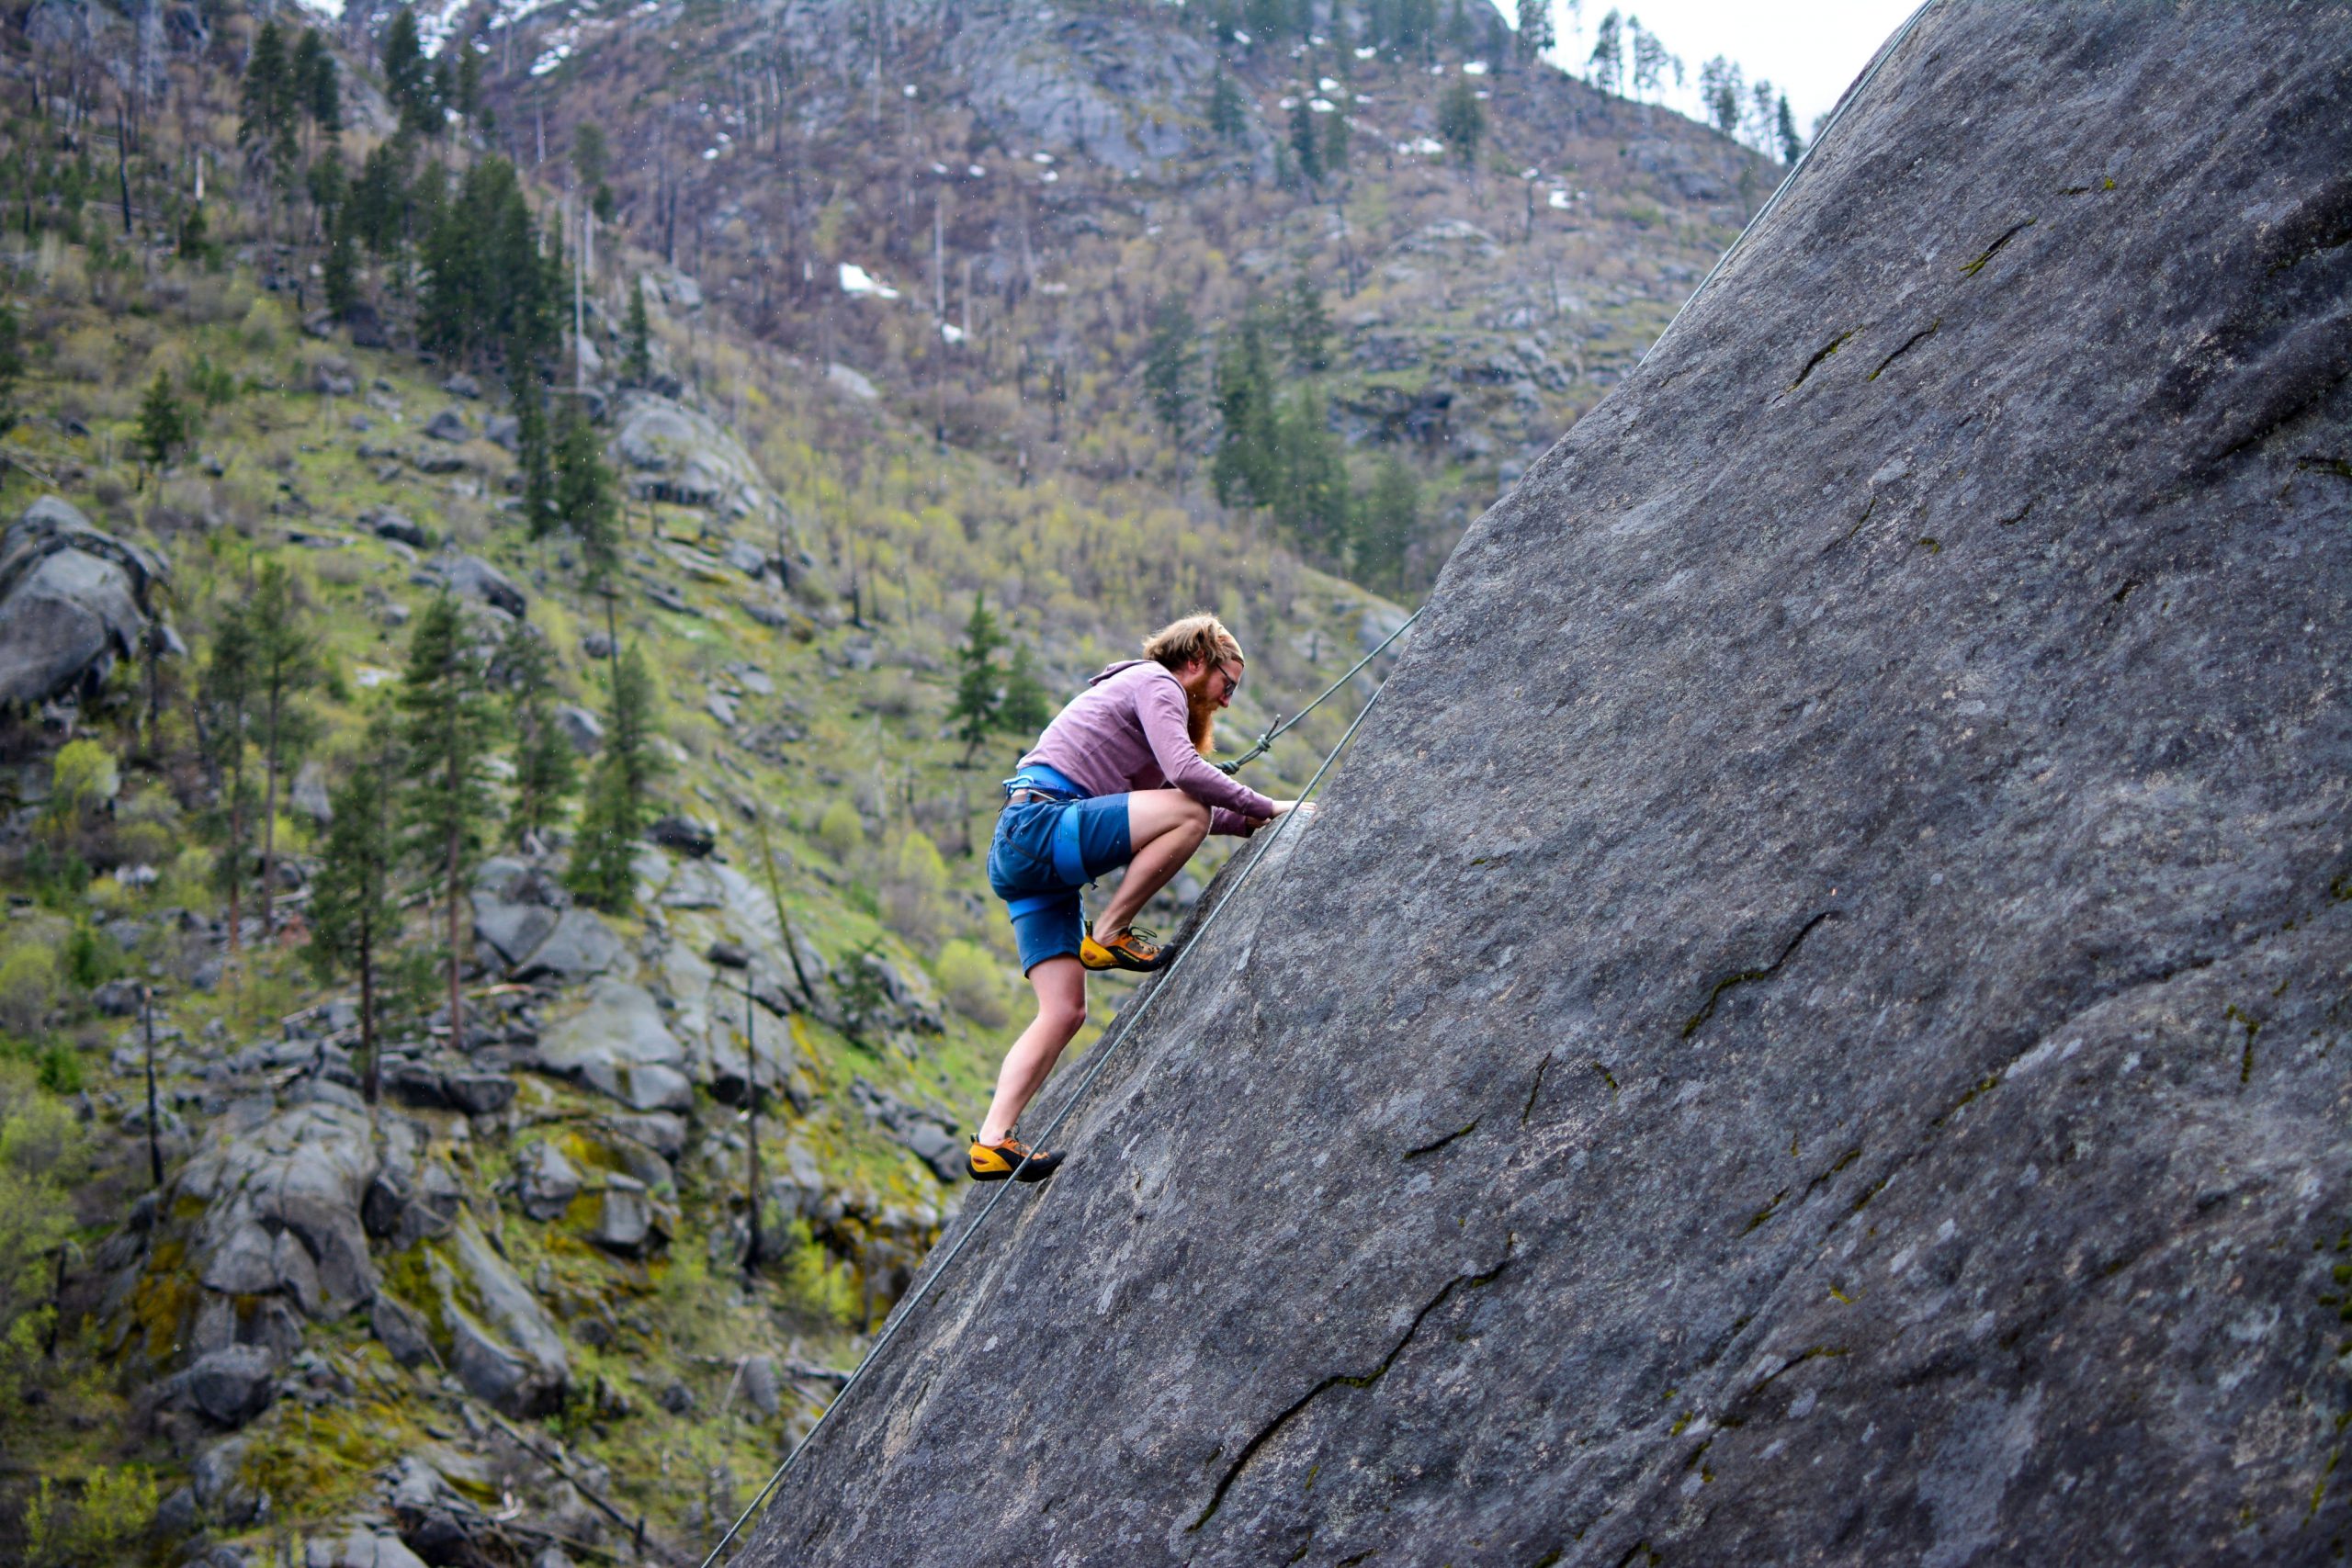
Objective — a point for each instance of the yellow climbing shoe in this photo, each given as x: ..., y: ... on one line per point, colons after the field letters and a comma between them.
x: 994, y: 1162
x: 1131, y: 949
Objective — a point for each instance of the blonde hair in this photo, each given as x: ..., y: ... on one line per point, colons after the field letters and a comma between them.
x: 1195, y: 639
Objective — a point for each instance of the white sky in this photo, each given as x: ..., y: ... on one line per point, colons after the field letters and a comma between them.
x: 1809, y: 49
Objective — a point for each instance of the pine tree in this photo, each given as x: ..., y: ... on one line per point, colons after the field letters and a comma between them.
x: 317, y: 87
x: 1168, y: 368
x: 1606, y: 64
x: 1785, y: 130
x: 1390, y: 512
x: 269, y: 95
x: 1228, y: 114
x: 1312, y: 501
x: 1337, y: 132
x: 408, y: 78
x: 1653, y: 62
x: 354, y: 915
x: 12, y: 364
x: 340, y: 267
x: 447, y: 733
x: 466, y: 92
x: 164, y: 424
x: 224, y: 707
x: 536, y: 459
x: 978, y: 707
x: 1720, y: 86
x: 585, y: 499
x: 1462, y: 120
x: 602, y: 869
x: 1535, y: 34
x: 285, y: 665
x: 1248, y: 466
x: 545, y: 771
x: 1305, y: 145
x: 1308, y: 325
x: 588, y: 155
x: 1027, y: 707
x: 637, y: 361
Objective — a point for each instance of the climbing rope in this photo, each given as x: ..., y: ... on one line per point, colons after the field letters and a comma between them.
x: 1885, y: 52
x: 1122, y: 1027
x: 1264, y: 741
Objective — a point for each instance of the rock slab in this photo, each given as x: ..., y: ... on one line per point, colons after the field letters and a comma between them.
x: 1914, y: 1125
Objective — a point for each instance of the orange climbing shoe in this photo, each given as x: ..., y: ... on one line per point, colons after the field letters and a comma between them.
x: 1131, y: 949
x: 994, y: 1162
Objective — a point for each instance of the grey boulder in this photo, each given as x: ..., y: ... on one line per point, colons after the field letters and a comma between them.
x: 232, y: 1385
x: 1839, y: 1055
x: 506, y: 1349
x: 471, y: 577
x: 450, y: 424
x: 578, y: 945
x: 72, y: 600
x: 546, y: 1182
x: 618, y: 1044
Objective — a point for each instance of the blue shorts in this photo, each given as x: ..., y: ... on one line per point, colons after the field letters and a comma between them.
x: 1043, y: 854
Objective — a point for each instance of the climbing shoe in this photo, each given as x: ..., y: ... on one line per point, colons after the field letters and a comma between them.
x: 1131, y: 949
x: 994, y: 1162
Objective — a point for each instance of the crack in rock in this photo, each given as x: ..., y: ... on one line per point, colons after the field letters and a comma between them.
x: 1341, y: 1379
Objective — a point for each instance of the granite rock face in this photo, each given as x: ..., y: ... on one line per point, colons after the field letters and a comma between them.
x: 1842, y: 1047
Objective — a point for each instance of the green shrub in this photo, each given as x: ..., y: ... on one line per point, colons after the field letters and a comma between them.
x: 974, y: 985
x: 28, y: 985
x: 61, y: 1069
x: 841, y: 830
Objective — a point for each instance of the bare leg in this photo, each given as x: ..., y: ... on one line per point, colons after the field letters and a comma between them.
x: 1164, y: 827
x: 1060, y: 985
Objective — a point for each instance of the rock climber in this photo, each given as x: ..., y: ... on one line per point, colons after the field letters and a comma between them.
x: 1117, y: 779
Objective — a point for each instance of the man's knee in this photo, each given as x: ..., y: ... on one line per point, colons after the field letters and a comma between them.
x: 1069, y: 1017
x: 1196, y: 820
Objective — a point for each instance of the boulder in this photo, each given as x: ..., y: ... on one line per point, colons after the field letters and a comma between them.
x: 617, y: 1045
x: 404, y: 1334
x: 503, y: 430
x: 280, y: 1206
x: 679, y: 454
x: 545, y: 1182
x: 515, y: 929
x: 685, y: 835
x: 581, y: 728
x: 1914, y: 1130
x: 462, y: 385
x: 578, y: 945
x: 625, y: 1222
x: 385, y: 524
x: 310, y: 793
x: 72, y: 600
x: 450, y: 424
x: 363, y: 1547
x: 478, y: 1093
x: 506, y: 1347
x: 232, y: 1385
x: 471, y: 577
x: 759, y: 1384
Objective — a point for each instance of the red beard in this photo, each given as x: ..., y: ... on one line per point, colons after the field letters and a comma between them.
x: 1200, y: 716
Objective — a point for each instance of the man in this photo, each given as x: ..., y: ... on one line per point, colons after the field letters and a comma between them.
x: 1117, y: 779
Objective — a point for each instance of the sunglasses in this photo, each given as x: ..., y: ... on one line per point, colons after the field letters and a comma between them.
x: 1232, y: 681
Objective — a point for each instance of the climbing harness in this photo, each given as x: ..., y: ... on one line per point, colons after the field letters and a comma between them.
x: 1885, y: 52
x: 1266, y: 740
x: 1124, y: 1027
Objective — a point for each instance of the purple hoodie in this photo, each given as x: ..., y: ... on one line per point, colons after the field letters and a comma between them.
x: 1128, y: 731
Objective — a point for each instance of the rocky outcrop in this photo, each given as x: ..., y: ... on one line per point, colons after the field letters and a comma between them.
x: 72, y: 600
x: 617, y: 1045
x: 675, y: 454
x: 1837, y: 1051
x: 281, y: 1211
